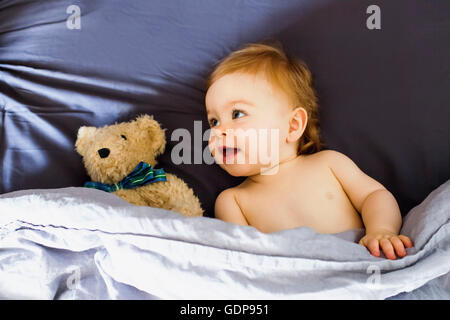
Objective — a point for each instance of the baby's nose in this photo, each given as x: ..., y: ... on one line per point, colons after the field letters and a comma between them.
x: 221, y: 131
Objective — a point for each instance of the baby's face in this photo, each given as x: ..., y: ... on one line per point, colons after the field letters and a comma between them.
x: 249, y: 122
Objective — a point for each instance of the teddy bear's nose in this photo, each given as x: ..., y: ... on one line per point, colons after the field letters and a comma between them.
x: 103, y: 153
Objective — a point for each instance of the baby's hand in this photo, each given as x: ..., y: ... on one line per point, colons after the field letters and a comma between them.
x: 388, y: 242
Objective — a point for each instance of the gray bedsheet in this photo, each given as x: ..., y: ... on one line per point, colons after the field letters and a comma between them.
x: 77, y: 243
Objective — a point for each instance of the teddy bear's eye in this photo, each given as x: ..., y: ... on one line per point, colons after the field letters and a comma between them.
x: 125, y: 138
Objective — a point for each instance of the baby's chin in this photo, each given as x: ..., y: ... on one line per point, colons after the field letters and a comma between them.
x: 241, y: 170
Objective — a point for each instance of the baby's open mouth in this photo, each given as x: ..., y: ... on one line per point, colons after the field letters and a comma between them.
x: 229, y: 153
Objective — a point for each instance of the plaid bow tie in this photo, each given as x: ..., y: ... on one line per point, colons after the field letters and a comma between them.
x: 142, y: 175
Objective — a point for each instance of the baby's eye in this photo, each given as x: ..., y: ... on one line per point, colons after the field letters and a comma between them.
x: 236, y: 113
x: 213, y: 122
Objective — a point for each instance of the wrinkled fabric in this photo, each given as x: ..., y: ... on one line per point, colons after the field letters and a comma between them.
x: 79, y: 243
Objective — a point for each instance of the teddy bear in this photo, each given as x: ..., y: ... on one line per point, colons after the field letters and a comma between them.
x: 121, y: 158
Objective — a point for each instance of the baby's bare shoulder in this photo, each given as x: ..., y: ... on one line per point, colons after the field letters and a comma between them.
x: 325, y: 154
x: 227, y: 208
x: 227, y: 194
x: 325, y: 157
x: 316, y: 160
x: 229, y: 198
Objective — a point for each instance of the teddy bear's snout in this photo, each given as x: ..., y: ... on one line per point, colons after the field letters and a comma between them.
x: 103, y: 152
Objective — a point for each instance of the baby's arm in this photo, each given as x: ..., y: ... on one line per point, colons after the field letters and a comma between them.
x: 227, y: 209
x: 378, y: 207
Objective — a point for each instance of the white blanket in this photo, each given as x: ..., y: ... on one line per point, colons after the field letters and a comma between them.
x: 78, y: 243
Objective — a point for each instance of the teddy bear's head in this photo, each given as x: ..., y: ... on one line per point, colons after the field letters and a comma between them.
x: 111, y: 152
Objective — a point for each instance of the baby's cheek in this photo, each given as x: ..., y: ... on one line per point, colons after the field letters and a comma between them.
x: 211, y: 146
x: 269, y: 144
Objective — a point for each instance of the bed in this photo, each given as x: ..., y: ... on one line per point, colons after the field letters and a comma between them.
x: 383, y: 96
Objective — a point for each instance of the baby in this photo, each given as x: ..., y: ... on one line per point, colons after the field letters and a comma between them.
x: 257, y: 94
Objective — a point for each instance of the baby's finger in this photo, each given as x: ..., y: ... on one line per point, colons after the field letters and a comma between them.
x: 387, y: 248
x: 398, y: 246
x: 406, y: 241
x: 374, y: 247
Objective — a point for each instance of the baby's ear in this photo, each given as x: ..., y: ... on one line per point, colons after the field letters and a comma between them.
x: 153, y: 131
x: 297, y: 124
x: 83, y: 137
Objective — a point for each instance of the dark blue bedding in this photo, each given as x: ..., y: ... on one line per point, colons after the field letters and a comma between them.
x: 383, y: 93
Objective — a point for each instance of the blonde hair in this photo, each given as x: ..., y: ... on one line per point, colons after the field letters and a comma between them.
x: 292, y: 76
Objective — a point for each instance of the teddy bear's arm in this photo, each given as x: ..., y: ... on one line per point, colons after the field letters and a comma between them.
x: 183, y: 198
x: 172, y: 194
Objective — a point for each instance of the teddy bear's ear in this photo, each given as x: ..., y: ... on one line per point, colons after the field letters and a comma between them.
x: 147, y: 124
x: 83, y: 136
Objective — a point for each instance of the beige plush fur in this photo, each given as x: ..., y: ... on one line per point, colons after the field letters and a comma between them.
x: 129, y: 143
